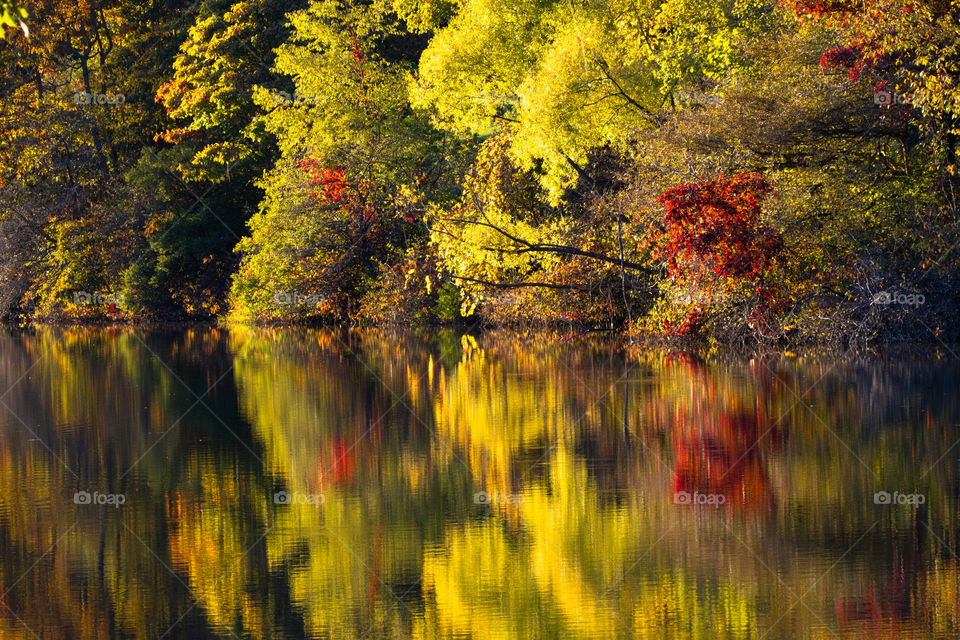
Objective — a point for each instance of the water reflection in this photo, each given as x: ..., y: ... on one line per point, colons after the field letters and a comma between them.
x: 369, y: 484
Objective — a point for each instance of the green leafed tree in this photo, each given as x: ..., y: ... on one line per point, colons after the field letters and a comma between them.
x: 228, y: 51
x: 345, y: 199
x: 77, y: 97
x: 575, y: 77
x: 910, y: 48
x: 199, y: 179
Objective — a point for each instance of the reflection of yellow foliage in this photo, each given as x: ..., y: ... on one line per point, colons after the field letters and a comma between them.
x: 210, y: 543
x: 939, y: 600
x: 582, y: 550
x: 492, y: 414
x: 477, y: 586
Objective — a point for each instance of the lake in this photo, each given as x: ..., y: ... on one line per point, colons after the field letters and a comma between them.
x: 370, y: 484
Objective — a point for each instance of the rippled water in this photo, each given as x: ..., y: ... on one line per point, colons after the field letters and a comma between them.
x: 288, y: 484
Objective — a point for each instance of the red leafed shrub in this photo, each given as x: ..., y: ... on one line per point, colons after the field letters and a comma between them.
x: 360, y: 68
x: 715, y: 241
x: 333, y: 183
x: 716, y: 224
x: 688, y: 326
x: 856, y: 59
x: 849, y: 58
x: 359, y: 57
x: 332, y: 187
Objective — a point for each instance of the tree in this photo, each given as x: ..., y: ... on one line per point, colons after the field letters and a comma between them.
x: 857, y: 197
x: 67, y: 138
x: 228, y: 52
x: 345, y: 199
x: 518, y: 258
x: 576, y: 77
x: 715, y: 242
x: 200, y: 180
x: 909, y: 48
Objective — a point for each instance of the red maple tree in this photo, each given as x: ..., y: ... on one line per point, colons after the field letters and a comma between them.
x: 714, y: 227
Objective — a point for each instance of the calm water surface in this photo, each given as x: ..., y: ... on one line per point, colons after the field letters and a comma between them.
x: 309, y: 484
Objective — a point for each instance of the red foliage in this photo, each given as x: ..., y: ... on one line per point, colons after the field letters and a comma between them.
x: 360, y: 67
x: 849, y: 58
x: 343, y: 467
x: 690, y: 325
x: 716, y: 224
x: 818, y: 9
x: 357, y: 52
x: 176, y: 136
x: 336, y: 189
x: 712, y: 465
x: 333, y: 181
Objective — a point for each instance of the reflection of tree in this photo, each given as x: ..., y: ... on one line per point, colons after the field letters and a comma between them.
x: 589, y: 544
x: 522, y: 435
x: 909, y: 596
x: 326, y: 409
x: 213, y: 543
x: 100, y: 399
x: 720, y: 437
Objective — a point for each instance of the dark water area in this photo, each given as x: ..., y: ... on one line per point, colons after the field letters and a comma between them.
x: 311, y: 484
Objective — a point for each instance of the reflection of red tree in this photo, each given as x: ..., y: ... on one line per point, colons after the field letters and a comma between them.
x: 342, y: 468
x: 880, y: 614
x: 724, y: 462
x: 355, y: 446
x: 339, y: 466
x: 884, y: 612
x: 718, y: 447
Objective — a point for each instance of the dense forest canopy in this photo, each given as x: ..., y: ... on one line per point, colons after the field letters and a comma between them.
x: 738, y: 170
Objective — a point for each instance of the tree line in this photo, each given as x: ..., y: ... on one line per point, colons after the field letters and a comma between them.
x: 748, y: 170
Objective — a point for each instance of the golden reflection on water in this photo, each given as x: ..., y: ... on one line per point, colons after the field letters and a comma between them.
x: 451, y: 486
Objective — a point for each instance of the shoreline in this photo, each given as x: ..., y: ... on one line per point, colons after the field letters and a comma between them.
x: 556, y: 333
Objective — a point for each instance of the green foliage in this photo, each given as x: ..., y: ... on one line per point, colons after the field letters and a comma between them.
x: 396, y: 161
x: 424, y: 16
x: 855, y: 196
x: 576, y: 77
x: 911, y: 47
x: 500, y: 207
x: 229, y: 50
x: 344, y: 201
x: 449, y: 305
x: 517, y: 258
x: 348, y: 61
x: 77, y: 97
